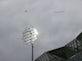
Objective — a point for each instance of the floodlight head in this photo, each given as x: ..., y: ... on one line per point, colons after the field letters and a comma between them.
x: 30, y: 34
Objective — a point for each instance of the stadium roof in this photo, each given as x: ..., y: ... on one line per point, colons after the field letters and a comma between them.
x: 63, y: 53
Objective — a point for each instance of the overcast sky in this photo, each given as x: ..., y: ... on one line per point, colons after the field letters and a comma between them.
x: 57, y: 21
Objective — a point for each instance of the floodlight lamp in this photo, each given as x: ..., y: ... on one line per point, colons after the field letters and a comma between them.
x: 30, y: 34
x: 35, y: 31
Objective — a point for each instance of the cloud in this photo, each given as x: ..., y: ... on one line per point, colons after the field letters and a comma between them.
x: 58, y: 22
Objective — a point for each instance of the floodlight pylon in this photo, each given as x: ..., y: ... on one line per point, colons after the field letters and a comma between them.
x: 30, y: 36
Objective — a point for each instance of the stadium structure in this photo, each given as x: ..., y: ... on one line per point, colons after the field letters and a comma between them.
x: 70, y: 52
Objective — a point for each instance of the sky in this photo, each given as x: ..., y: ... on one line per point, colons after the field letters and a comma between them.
x: 57, y: 21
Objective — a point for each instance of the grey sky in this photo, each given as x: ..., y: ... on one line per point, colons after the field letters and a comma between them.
x: 58, y: 22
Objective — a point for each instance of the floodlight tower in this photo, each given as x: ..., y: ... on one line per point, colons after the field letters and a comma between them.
x: 30, y: 35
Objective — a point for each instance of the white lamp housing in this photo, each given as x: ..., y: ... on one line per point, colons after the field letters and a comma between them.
x: 30, y: 35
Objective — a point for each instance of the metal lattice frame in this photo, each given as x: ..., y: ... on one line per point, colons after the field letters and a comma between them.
x: 75, y: 45
x: 64, y: 53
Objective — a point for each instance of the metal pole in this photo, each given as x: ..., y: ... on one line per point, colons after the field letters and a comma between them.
x: 32, y: 52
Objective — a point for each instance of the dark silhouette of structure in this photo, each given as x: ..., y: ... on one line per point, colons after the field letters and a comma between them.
x: 70, y: 52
